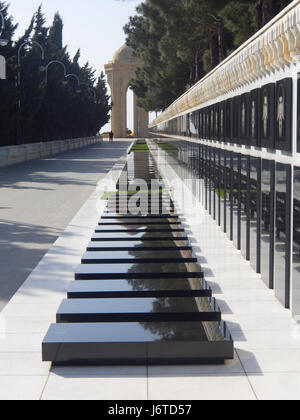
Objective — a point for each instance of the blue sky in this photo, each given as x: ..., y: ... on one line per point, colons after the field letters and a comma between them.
x: 94, y: 26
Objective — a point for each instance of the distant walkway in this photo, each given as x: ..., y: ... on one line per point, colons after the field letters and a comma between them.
x: 38, y: 199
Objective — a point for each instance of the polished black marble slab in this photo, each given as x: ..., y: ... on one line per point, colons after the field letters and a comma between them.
x: 138, y: 246
x: 133, y: 236
x: 94, y: 289
x: 139, y: 228
x: 139, y: 309
x: 148, y: 212
x: 147, y: 199
x: 143, y: 218
x: 140, y: 207
x: 139, y: 222
x: 108, y: 257
x: 151, y: 194
x: 136, y: 210
x: 140, y: 197
x: 137, y: 270
x: 150, y: 343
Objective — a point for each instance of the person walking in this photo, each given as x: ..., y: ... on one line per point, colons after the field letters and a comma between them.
x: 111, y: 136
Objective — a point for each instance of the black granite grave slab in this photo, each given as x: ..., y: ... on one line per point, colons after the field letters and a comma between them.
x: 133, y: 236
x: 140, y: 309
x: 136, y: 270
x: 135, y: 207
x: 150, y: 200
x: 147, y: 217
x: 138, y: 228
x: 108, y: 257
x: 139, y: 221
x: 146, y: 212
x: 138, y: 245
x: 95, y: 289
x: 147, y: 198
x: 136, y: 210
x: 150, y: 343
x: 150, y: 194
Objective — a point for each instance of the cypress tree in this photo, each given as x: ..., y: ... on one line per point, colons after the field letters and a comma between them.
x: 54, y: 110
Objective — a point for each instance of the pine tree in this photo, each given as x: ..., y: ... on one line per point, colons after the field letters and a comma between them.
x: 180, y: 41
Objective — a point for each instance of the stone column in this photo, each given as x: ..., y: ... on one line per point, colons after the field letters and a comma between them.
x: 123, y: 110
x: 141, y: 119
x: 118, y: 87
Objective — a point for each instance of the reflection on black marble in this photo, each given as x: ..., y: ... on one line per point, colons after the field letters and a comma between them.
x: 222, y: 190
x: 255, y: 213
x: 136, y: 256
x: 142, y: 218
x: 245, y: 222
x: 139, y: 221
x: 296, y: 241
x: 282, y: 234
x: 138, y: 246
x: 137, y: 309
x: 136, y: 270
x: 267, y: 221
x: 228, y: 196
x: 133, y: 236
x: 236, y: 202
x: 134, y: 343
x: 89, y: 289
x: 140, y: 228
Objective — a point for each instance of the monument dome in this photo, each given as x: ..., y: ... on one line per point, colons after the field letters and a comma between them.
x: 123, y: 54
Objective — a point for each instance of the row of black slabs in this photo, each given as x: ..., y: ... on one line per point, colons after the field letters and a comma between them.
x: 139, y: 296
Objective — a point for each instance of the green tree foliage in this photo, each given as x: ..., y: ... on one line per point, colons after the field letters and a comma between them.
x: 53, y: 110
x: 180, y: 41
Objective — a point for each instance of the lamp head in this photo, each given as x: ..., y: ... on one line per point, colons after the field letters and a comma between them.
x: 78, y: 90
x: 3, y: 40
x: 65, y: 82
x: 42, y: 67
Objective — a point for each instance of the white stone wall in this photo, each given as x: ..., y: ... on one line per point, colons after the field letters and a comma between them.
x: 12, y: 155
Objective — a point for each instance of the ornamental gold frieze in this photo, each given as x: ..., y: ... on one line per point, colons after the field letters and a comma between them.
x: 275, y: 48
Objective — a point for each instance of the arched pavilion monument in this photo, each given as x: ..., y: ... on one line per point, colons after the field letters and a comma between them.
x: 119, y: 72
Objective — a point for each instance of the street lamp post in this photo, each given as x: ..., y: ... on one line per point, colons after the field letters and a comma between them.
x: 91, y: 89
x: 78, y: 90
x: 3, y: 37
x: 42, y: 65
x: 55, y: 62
x: 42, y: 69
x: 60, y: 63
